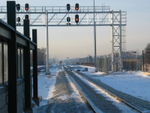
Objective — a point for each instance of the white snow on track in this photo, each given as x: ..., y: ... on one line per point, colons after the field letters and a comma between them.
x: 76, y: 95
x: 46, y: 85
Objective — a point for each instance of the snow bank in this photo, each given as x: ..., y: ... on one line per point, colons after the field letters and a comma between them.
x: 143, y: 74
x: 133, y: 83
x: 83, y: 68
x: 90, y: 69
x: 46, y: 85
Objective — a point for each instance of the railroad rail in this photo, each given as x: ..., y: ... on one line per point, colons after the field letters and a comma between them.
x: 138, y: 108
x: 138, y: 103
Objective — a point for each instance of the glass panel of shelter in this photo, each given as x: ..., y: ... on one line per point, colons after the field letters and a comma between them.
x: 20, y: 62
x: 5, y: 63
x: 31, y: 62
x: 1, y: 74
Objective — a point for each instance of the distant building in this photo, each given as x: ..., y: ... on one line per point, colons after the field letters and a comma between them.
x: 146, y: 56
x: 131, y: 61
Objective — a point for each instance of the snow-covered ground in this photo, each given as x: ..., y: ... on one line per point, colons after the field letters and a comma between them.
x: 46, y: 85
x: 133, y: 83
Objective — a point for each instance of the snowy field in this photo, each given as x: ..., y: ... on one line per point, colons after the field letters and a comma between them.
x: 135, y: 83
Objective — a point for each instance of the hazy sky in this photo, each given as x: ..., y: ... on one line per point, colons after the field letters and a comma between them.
x: 78, y: 42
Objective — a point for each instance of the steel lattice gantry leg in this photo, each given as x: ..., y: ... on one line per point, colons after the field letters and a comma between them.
x: 117, y: 42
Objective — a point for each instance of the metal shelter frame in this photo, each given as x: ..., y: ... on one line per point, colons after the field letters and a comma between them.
x: 18, y: 45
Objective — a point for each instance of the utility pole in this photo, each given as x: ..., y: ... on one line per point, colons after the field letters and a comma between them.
x: 47, y: 46
x: 95, y: 54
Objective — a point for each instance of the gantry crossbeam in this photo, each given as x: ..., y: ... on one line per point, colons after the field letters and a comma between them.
x: 56, y: 17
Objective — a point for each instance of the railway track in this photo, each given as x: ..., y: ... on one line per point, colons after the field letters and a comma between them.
x: 140, y: 104
x: 98, y: 102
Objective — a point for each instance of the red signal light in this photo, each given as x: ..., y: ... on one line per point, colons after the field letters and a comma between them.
x: 77, y: 18
x: 76, y: 6
x: 26, y: 6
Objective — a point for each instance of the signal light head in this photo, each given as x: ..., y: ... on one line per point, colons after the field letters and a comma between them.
x: 77, y: 18
x: 18, y: 19
x: 68, y: 7
x: 68, y: 19
x: 26, y: 6
x: 77, y: 6
x: 18, y: 7
x: 26, y: 17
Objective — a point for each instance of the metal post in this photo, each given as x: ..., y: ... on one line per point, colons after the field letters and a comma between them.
x: 35, y: 74
x: 27, y: 76
x: 112, y: 57
x: 120, y: 52
x: 12, y: 54
x: 95, y: 51
x: 47, y: 46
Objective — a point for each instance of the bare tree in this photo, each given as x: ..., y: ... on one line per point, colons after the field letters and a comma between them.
x: 147, y: 54
x: 41, y: 56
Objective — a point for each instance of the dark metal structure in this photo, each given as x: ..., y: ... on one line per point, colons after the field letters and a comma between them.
x: 12, y: 54
x: 17, y: 53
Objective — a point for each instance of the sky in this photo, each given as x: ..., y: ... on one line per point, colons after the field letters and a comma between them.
x: 78, y: 41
